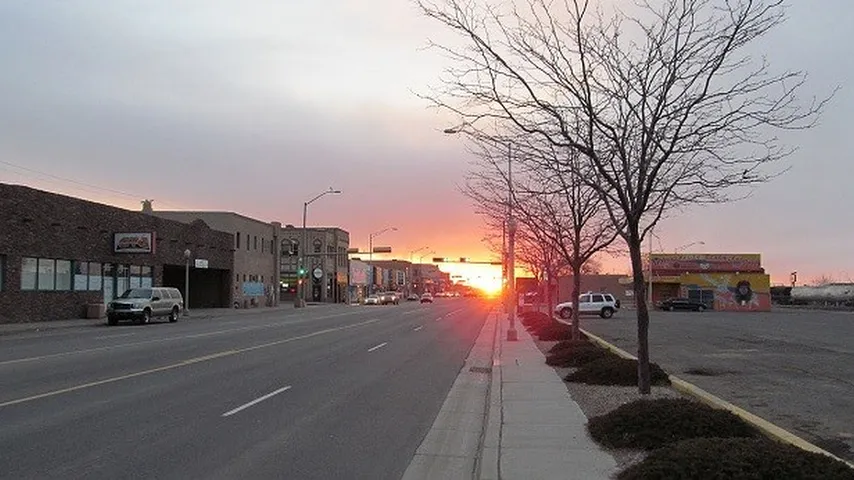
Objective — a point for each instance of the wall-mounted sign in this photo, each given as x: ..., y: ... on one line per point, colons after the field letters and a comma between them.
x: 133, y: 242
x: 318, y: 273
x: 201, y: 263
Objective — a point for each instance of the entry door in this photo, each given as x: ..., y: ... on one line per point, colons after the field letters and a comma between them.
x: 109, y: 280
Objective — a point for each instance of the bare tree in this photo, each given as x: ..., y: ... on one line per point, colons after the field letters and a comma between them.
x: 559, y: 213
x: 664, y: 100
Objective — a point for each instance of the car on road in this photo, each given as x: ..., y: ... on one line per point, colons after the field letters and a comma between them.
x: 602, y: 304
x: 426, y: 298
x: 389, y: 298
x: 672, y: 304
x: 143, y: 304
x: 372, y: 300
x: 413, y: 297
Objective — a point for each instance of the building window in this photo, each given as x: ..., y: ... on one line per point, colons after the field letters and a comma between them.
x: 237, y: 236
x: 63, y: 275
x: 29, y: 273
x: 122, y: 278
x: 147, y: 279
x: 47, y: 274
x: 2, y: 270
x: 318, y: 246
x: 263, y: 242
x: 96, y: 280
x: 255, y: 242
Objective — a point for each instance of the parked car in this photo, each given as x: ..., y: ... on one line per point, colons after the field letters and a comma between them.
x: 426, y: 298
x: 372, y: 300
x: 602, y: 304
x: 143, y: 304
x: 672, y: 304
x: 387, y: 298
x: 413, y: 297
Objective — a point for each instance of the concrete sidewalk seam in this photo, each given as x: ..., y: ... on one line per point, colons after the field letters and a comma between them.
x: 767, y: 428
x: 492, y: 319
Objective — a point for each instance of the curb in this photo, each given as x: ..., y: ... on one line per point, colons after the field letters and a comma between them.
x: 767, y: 428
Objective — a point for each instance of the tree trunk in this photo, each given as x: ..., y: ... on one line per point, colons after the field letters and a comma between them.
x: 576, y: 294
x: 643, y: 313
x: 549, y: 299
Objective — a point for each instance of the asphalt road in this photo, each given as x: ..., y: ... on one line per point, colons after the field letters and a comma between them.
x: 793, y: 368
x: 325, y: 392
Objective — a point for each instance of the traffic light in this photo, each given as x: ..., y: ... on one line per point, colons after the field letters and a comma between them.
x: 301, y: 271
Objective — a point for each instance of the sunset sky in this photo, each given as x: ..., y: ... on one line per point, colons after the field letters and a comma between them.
x: 256, y: 106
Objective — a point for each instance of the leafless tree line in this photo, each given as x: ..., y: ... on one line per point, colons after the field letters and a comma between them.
x: 615, y: 117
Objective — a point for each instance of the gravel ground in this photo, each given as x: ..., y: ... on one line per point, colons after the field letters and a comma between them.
x: 596, y: 400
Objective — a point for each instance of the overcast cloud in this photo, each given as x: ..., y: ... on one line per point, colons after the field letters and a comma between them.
x: 256, y: 106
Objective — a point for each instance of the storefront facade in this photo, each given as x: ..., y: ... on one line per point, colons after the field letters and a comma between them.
x: 60, y: 256
x: 725, y: 282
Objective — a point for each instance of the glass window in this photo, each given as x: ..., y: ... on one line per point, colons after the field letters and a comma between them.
x: 237, y: 236
x: 122, y: 272
x: 108, y: 281
x: 63, y: 275
x: 29, y: 273
x: 145, y: 277
x: 81, y: 276
x: 263, y: 242
x: 255, y: 242
x: 248, y: 245
x: 598, y: 298
x: 135, y: 280
x: 95, y: 278
x: 47, y: 274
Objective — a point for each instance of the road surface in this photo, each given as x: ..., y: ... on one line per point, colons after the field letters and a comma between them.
x: 324, y: 392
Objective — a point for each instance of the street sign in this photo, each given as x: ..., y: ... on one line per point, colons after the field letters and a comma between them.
x: 353, y: 250
x: 201, y: 263
x: 318, y: 273
x: 382, y: 249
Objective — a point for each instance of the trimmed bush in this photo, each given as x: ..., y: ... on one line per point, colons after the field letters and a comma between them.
x: 570, y: 344
x: 736, y: 459
x: 555, y: 331
x: 577, y: 356
x: 649, y: 424
x: 533, y: 321
x: 614, y: 370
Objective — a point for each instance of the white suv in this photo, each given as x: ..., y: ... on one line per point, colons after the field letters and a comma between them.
x: 602, y: 304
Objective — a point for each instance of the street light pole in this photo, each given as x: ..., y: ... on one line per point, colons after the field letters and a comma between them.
x: 187, y: 282
x: 508, y: 259
x: 300, y: 300
x: 371, y: 254
x: 512, y: 334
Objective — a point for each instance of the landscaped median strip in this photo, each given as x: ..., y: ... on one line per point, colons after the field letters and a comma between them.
x: 767, y: 428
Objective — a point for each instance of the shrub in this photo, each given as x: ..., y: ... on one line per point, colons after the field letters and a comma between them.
x: 736, y: 459
x: 554, y: 331
x: 649, y: 424
x: 578, y: 356
x: 533, y: 321
x: 570, y: 344
x: 614, y: 370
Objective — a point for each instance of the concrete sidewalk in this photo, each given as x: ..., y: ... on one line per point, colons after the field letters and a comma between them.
x: 195, y: 314
x: 517, y: 423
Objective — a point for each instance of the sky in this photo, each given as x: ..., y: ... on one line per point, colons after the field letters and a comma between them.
x: 257, y: 106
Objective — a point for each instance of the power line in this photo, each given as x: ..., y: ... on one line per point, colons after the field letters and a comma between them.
x: 76, y: 182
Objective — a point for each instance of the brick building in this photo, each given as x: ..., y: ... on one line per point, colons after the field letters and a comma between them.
x: 256, y: 253
x: 59, y: 254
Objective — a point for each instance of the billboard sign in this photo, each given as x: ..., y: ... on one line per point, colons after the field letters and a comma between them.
x: 677, y: 264
x: 142, y: 242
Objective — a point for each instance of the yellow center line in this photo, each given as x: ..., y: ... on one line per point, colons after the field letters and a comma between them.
x: 182, y: 363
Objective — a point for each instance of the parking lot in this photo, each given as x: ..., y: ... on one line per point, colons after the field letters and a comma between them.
x: 793, y: 368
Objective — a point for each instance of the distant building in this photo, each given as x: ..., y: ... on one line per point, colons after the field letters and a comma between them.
x: 256, y: 249
x: 326, y: 263
x: 396, y: 275
x: 724, y: 281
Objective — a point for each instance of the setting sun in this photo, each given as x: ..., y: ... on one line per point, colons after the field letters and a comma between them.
x: 486, y: 278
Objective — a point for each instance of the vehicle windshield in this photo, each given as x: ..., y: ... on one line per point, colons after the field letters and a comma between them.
x: 137, y: 293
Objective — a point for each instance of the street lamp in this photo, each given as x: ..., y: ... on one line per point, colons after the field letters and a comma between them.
x: 301, y: 287
x: 371, y: 253
x: 409, y: 273
x: 509, y: 260
x: 187, y: 282
x: 687, y: 246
